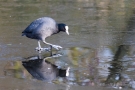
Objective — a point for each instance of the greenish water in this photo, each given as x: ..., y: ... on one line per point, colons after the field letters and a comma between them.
x: 98, y: 53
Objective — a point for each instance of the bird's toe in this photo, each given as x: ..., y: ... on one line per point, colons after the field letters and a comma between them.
x: 38, y: 49
x: 42, y: 49
x: 57, y: 47
x: 47, y: 49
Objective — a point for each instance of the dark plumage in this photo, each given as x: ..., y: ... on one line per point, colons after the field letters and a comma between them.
x: 42, y: 28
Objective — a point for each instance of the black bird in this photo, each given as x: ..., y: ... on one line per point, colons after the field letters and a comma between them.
x: 42, y: 28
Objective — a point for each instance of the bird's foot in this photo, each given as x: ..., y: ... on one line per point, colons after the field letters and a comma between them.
x: 47, y: 49
x: 39, y: 49
x: 42, y: 49
x: 57, y: 47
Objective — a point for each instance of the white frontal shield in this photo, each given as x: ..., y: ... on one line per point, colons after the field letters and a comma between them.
x: 66, y: 27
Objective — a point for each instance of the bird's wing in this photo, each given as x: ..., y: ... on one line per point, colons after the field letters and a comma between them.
x: 33, y: 26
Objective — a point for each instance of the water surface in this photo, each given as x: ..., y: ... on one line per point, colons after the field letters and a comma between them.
x: 98, y: 53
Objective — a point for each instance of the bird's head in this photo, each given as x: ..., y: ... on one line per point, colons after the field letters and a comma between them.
x: 63, y: 27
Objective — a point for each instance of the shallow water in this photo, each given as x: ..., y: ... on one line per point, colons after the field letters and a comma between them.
x: 98, y: 53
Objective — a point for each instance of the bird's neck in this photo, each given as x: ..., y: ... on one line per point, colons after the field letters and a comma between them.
x: 60, y: 28
x: 56, y: 32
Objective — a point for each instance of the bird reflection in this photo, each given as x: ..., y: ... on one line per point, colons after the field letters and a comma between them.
x: 43, y: 70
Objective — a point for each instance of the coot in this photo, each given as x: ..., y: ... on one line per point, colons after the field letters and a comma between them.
x: 42, y: 28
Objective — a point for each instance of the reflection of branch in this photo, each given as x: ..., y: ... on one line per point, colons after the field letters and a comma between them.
x: 118, y: 53
x: 116, y: 69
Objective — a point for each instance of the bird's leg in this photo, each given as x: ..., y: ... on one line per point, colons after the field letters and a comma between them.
x: 39, y: 46
x: 54, y: 46
x: 41, y: 49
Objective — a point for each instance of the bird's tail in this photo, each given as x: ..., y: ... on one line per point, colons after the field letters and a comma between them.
x: 23, y: 34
